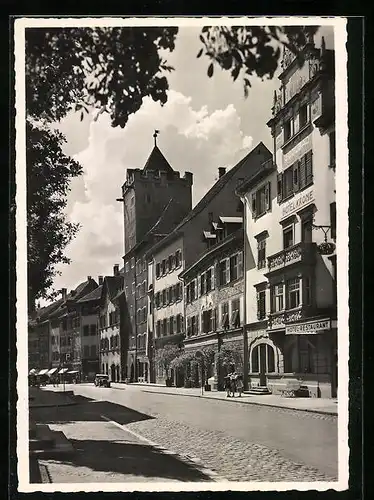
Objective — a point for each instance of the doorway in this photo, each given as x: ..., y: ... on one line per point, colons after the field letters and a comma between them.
x: 262, y: 365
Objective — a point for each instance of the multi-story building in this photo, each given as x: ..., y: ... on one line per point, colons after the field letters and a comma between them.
x: 155, y: 200
x: 88, y: 359
x: 184, y: 245
x: 111, y: 360
x: 214, y: 287
x: 290, y: 228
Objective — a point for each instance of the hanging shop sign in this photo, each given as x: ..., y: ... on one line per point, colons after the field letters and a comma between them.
x: 297, y: 204
x: 309, y: 328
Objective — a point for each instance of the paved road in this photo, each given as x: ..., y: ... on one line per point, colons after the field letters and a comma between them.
x: 240, y: 442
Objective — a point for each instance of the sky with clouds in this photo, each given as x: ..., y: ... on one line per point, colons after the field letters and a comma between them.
x: 206, y: 123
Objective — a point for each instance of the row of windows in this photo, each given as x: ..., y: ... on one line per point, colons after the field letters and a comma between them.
x: 109, y: 343
x: 141, y: 290
x: 174, y: 261
x: 208, y: 319
x: 141, y: 315
x: 89, y: 351
x: 111, y: 319
x: 229, y: 270
x: 293, y: 125
x: 295, y: 178
x: 169, y: 326
x: 129, y: 264
x: 142, y: 341
x: 70, y: 323
x: 169, y: 295
x: 284, y: 296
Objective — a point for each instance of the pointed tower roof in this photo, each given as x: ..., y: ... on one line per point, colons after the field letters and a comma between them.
x: 157, y: 161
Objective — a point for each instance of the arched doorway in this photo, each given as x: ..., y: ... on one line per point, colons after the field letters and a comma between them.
x: 262, y: 361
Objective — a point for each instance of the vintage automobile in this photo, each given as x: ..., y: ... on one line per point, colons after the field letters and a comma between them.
x: 102, y: 380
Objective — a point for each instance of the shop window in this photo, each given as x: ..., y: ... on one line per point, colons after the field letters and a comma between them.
x: 293, y: 293
x: 288, y: 237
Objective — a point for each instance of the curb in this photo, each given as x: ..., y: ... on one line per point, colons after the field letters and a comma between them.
x: 49, y: 405
x: 186, y: 459
x: 307, y: 410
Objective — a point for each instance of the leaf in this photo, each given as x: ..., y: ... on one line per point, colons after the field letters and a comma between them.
x: 199, y: 54
x: 210, y: 70
x: 82, y: 116
x: 235, y: 72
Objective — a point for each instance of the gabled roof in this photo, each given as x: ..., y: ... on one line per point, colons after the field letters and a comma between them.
x: 73, y: 296
x: 112, y: 285
x: 44, y: 312
x: 94, y: 295
x: 214, y: 190
x: 157, y: 161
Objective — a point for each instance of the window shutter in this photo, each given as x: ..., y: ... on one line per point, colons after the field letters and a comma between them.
x: 240, y: 264
x: 175, y: 324
x: 308, y: 167
x: 296, y: 173
x: 279, y: 187
x: 212, y: 277
x: 254, y: 204
x: 228, y: 277
x: 302, y: 173
x: 268, y: 196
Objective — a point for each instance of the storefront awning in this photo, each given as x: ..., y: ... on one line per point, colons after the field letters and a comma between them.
x: 33, y: 371
x: 73, y: 371
x: 51, y: 371
x: 63, y: 370
x: 43, y: 372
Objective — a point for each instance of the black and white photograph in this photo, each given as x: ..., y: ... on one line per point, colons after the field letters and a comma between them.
x: 182, y: 253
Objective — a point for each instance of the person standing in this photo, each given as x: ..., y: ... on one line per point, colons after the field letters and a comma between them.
x: 239, y: 385
x: 227, y: 385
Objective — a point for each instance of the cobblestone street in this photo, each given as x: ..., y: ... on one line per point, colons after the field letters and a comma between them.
x: 239, y: 442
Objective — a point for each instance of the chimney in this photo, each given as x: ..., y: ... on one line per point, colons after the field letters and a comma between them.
x: 116, y: 270
x: 63, y: 293
x: 221, y: 172
x: 89, y: 278
x: 101, y: 280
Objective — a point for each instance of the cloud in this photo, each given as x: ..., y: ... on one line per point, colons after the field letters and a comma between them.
x: 192, y: 139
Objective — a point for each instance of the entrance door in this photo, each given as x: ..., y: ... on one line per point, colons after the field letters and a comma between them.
x: 262, y: 365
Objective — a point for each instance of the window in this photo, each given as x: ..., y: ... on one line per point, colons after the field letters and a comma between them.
x: 263, y: 356
x: 254, y: 360
x: 86, y: 351
x: 170, y: 262
x: 332, y: 149
x: 224, y: 271
x: 303, y: 116
x: 193, y: 290
x: 179, y: 323
x: 208, y: 280
x: 86, y: 330
x: 132, y: 262
x: 234, y: 268
x: 225, y: 323
x: 261, y: 253
x: 189, y: 326
x: 195, y: 325
x: 178, y: 258
x: 166, y: 266
x: 202, y: 284
x: 93, y: 329
x: 261, y: 304
x: 171, y: 325
x: 158, y: 328
x: 158, y: 270
x: 293, y: 293
x: 163, y: 267
x: 261, y: 200
x: 235, y: 313
x: 171, y: 295
x: 207, y: 321
x: 277, y: 300
x: 288, y: 238
x: 93, y: 351
x: 333, y: 220
x: 164, y: 326
x: 287, y: 130
x: 307, y: 291
x: 288, y: 179
x: 164, y: 297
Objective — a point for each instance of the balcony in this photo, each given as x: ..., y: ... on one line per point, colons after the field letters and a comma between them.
x: 301, y: 253
x: 278, y: 320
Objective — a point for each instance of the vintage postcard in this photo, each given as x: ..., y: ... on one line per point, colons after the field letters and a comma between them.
x: 182, y: 253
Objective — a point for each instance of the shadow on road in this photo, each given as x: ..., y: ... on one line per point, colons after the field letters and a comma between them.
x: 87, y: 410
x: 131, y: 459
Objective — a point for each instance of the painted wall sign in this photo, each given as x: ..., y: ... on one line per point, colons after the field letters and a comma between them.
x: 297, y: 152
x: 310, y: 328
x: 296, y: 82
x: 298, y: 203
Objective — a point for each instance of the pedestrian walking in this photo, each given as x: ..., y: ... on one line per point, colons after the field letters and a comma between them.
x: 239, y: 385
x: 227, y: 385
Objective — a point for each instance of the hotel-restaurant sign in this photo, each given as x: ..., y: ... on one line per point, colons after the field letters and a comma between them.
x: 296, y: 204
x: 310, y: 328
x: 297, y: 152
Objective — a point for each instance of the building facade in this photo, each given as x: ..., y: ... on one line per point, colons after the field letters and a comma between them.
x: 290, y: 224
x: 214, y: 292
x: 189, y: 239
x: 111, y: 360
x: 155, y: 199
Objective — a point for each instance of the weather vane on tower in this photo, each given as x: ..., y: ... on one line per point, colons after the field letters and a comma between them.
x: 155, y: 136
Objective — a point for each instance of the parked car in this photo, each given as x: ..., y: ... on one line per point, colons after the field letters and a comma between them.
x: 102, y: 380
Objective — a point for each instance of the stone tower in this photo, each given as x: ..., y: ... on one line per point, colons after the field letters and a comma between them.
x: 147, y: 192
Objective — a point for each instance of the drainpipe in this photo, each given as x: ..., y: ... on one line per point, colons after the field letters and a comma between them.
x: 245, y: 333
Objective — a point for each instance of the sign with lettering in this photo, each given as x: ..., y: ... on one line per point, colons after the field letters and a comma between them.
x: 297, y: 152
x: 296, y: 82
x: 297, y: 203
x: 310, y: 328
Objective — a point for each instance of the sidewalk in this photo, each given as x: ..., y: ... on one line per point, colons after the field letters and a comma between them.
x: 314, y: 405
x: 40, y: 398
